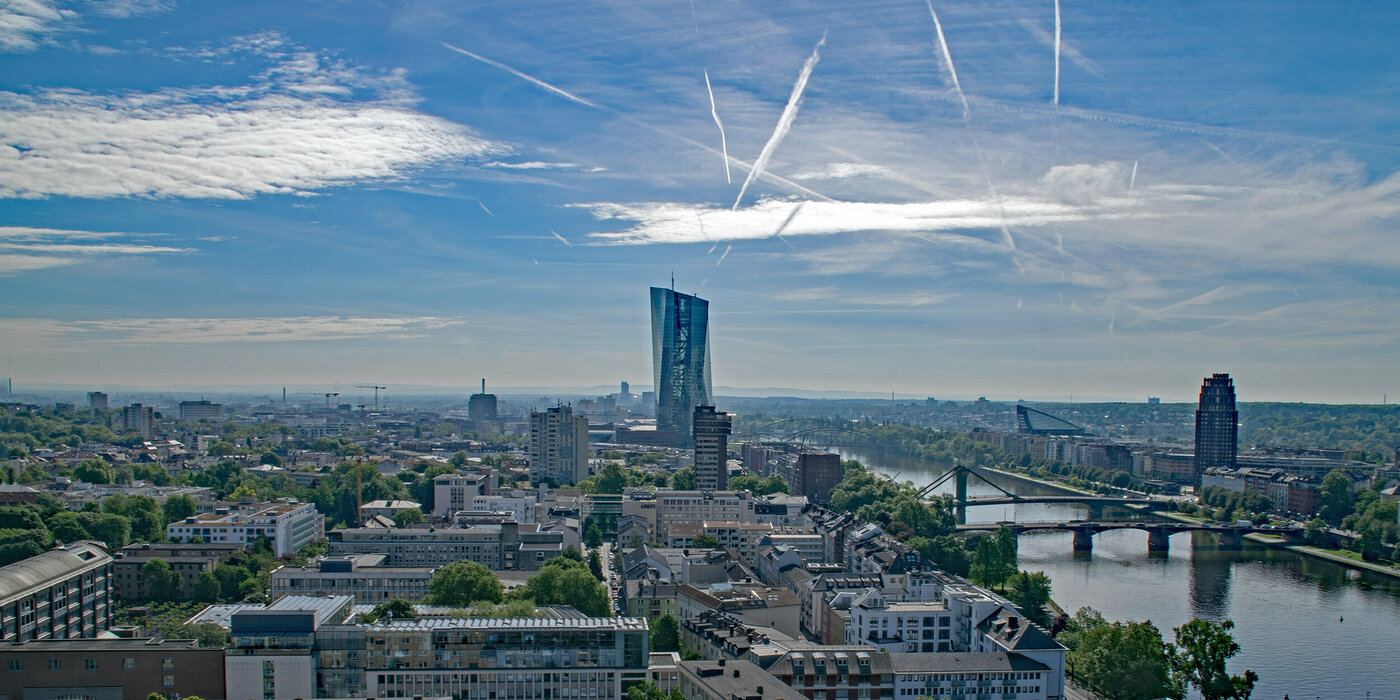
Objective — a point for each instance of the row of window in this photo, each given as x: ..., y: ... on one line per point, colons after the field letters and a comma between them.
x: 128, y: 664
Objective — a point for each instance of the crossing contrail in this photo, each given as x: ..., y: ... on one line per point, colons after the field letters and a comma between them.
x: 948, y: 60
x: 562, y: 239
x: 725, y: 254
x: 1057, y: 52
x: 724, y: 147
x: 660, y: 130
x: 784, y: 121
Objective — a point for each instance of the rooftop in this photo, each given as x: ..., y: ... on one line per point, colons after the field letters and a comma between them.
x: 42, y: 570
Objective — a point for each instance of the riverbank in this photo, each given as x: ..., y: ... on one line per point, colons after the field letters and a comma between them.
x: 1033, y: 480
x: 1347, y: 561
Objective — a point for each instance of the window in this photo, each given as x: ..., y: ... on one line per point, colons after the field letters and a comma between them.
x: 91, y: 664
x: 54, y: 665
x: 129, y: 664
x: 16, y: 664
x: 168, y: 680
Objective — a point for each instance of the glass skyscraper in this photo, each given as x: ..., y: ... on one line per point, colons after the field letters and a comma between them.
x: 680, y: 351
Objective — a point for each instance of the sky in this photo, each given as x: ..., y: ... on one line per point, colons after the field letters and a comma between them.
x: 1010, y: 199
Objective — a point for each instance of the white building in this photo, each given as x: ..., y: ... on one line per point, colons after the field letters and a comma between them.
x: 288, y: 525
x: 454, y: 492
x: 523, y: 507
x: 695, y: 507
x: 999, y: 675
x: 195, y: 411
x: 558, y: 446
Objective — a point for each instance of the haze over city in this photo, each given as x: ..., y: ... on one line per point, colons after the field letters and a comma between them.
x: 951, y: 199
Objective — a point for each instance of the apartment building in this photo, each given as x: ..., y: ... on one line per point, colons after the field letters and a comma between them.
x: 360, y: 576
x: 60, y: 594
x: 287, y: 524
x: 505, y: 546
x: 695, y: 507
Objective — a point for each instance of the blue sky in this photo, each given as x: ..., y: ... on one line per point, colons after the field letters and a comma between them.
x: 429, y: 192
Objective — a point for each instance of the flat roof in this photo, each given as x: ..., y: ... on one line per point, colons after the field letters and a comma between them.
x: 964, y: 662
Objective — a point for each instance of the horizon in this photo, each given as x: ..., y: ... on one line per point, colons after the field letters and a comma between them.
x: 948, y: 200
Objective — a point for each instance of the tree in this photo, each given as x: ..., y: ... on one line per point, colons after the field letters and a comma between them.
x: 463, y: 583
x: 566, y: 582
x: 684, y: 480
x: 206, y: 588
x: 704, y: 540
x: 595, y: 565
x: 177, y: 508
x: 396, y: 609
x: 665, y: 634
x: 571, y: 552
x: 1334, y: 500
x: 93, y: 471
x: 1125, y: 660
x: 109, y: 528
x: 161, y: 581
x: 593, y: 535
x: 65, y: 527
x: 1201, y: 650
x: 146, y: 516
x: 1031, y: 592
x: 407, y: 517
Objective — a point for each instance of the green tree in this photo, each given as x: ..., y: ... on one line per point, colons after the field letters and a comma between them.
x: 684, y: 480
x: 161, y: 581
x: 704, y: 540
x: 1334, y: 501
x: 177, y: 508
x: 396, y: 609
x: 93, y: 471
x: 1031, y: 592
x: 65, y: 527
x: 1315, y: 531
x: 146, y: 516
x: 592, y: 535
x: 571, y: 552
x: 595, y: 565
x: 1124, y: 660
x: 404, y: 518
x: 463, y: 583
x: 665, y: 634
x: 206, y: 588
x: 1202, y: 649
x: 109, y: 528
x: 566, y: 582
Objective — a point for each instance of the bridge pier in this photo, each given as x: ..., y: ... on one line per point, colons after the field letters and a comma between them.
x: 960, y: 490
x: 1231, y: 540
x: 1158, y: 540
x: 1084, y: 540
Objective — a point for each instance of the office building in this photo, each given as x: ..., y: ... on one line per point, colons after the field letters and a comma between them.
x: 60, y: 594
x: 1217, y: 425
x: 288, y: 526
x: 139, y: 419
x: 503, y: 546
x: 813, y: 474
x: 558, y: 446
x: 111, y: 669
x: 680, y: 350
x: 711, y: 434
x: 482, y: 406
x: 361, y: 576
x: 274, y: 654
x: 195, y: 411
x: 741, y: 680
x: 187, y: 561
x: 97, y: 401
x: 675, y: 508
x: 454, y: 492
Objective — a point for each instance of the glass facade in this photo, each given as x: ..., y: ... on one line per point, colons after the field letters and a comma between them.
x: 680, y: 349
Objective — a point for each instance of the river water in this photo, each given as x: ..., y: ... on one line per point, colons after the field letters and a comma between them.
x: 1309, y: 628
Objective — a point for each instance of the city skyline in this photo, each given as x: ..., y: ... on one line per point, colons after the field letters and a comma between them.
x: 429, y: 193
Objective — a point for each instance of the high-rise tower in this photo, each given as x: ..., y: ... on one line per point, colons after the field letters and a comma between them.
x: 1217, y: 425
x: 711, y: 432
x: 680, y: 350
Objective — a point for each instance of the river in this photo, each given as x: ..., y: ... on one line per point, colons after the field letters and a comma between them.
x: 1309, y: 628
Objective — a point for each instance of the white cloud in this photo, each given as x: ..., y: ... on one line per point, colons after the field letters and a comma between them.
x: 131, y: 8
x: 531, y: 165
x: 843, y: 171
x: 24, y: 24
x: 672, y: 222
x: 24, y: 248
x: 140, y: 331
x: 199, y: 144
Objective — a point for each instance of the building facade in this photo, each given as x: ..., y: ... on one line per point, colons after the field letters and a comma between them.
x: 97, y: 400
x: 195, y: 411
x: 710, y: 431
x: 60, y: 594
x: 361, y: 577
x: 680, y: 349
x: 139, y: 419
x: 558, y: 446
x: 1217, y: 425
x: 187, y: 561
x: 288, y: 526
x: 111, y: 669
x: 506, y: 546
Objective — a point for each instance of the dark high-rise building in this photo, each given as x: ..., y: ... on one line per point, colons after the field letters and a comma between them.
x: 680, y: 350
x: 1217, y: 425
x: 711, y: 432
x: 481, y: 406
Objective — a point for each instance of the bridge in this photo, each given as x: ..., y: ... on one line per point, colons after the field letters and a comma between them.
x: 1231, y: 535
x: 959, y: 475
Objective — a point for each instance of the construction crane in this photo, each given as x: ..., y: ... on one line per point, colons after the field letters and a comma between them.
x: 376, y: 392
x: 327, y: 394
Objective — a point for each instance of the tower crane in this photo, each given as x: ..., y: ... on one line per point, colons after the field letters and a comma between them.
x: 376, y: 392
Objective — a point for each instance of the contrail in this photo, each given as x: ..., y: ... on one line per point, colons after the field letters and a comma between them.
x: 1132, y: 180
x: 725, y: 254
x: 693, y: 21
x: 967, y: 119
x: 562, y: 93
x: 791, y: 215
x: 724, y: 147
x: 564, y: 240
x: 660, y: 130
x: 1057, y: 52
x: 948, y: 60
x: 483, y: 207
x: 784, y: 120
